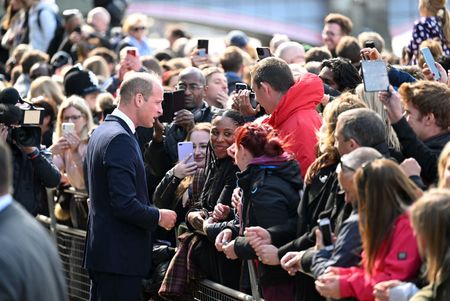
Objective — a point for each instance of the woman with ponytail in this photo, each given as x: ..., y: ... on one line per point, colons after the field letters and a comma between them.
x: 433, y: 24
x: 270, y: 182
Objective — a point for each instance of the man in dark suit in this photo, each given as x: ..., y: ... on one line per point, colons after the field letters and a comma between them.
x: 121, y: 217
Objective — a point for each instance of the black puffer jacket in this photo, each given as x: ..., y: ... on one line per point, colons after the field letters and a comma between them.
x: 270, y: 197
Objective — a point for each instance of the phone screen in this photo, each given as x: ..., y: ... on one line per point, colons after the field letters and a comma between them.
x: 167, y: 106
x: 375, y: 76
x: 240, y: 86
x: 132, y: 52
x: 263, y: 52
x: 185, y: 149
x: 429, y: 59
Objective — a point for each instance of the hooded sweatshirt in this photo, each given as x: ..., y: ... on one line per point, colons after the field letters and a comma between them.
x: 297, y: 120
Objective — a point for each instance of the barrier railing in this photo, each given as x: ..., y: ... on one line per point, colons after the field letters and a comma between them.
x: 70, y: 244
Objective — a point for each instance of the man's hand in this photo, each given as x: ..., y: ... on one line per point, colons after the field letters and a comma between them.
x: 185, y: 119
x: 222, y: 98
x: 291, y: 262
x: 268, y: 254
x: 392, y: 104
x: 220, y: 212
x: 411, y: 167
x: 167, y: 218
x: 242, y: 99
x: 158, y: 131
x: 257, y: 236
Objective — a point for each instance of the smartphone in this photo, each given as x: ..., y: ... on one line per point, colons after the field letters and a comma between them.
x: 167, y: 106
x: 429, y: 59
x: 131, y: 52
x: 185, y: 149
x: 325, y: 228
x: 253, y: 99
x: 178, y: 100
x: 240, y: 86
x: 68, y: 127
x: 369, y: 44
x: 202, y: 44
x: 375, y: 76
x: 263, y: 52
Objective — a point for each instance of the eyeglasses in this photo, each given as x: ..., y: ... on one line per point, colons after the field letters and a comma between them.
x: 330, y: 34
x: 192, y: 87
x: 73, y: 117
x: 138, y: 28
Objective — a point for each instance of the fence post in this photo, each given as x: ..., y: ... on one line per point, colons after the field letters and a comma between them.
x: 51, y: 211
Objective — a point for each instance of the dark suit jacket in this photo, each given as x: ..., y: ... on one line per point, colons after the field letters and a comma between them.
x: 121, y: 217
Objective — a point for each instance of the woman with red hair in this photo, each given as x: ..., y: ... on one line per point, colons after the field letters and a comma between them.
x: 270, y: 181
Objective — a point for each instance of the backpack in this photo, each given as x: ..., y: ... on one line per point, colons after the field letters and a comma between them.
x: 58, y: 34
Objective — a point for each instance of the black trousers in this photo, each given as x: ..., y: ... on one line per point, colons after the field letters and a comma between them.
x: 107, y: 286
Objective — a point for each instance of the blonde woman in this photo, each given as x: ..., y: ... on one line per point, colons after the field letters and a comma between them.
x: 135, y: 29
x: 46, y: 87
x: 69, y: 148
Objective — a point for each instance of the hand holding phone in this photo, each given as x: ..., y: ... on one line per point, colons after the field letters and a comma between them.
x: 202, y: 46
x: 429, y: 60
x: 263, y: 52
x: 67, y: 128
x: 185, y: 149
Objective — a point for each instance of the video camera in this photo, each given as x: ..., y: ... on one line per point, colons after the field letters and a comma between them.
x: 23, y: 122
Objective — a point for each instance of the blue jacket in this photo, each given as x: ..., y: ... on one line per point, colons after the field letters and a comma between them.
x: 121, y: 217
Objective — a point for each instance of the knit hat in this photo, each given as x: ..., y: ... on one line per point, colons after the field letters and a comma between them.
x: 237, y: 38
x: 80, y: 82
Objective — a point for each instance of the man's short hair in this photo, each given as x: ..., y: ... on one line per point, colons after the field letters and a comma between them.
x: 348, y: 47
x: 193, y: 71
x: 428, y: 97
x: 275, y: 72
x: 5, y: 169
x: 232, y: 59
x: 137, y: 82
x: 364, y: 126
x: 32, y: 57
x: 344, y: 22
x: 208, y: 72
x: 317, y: 54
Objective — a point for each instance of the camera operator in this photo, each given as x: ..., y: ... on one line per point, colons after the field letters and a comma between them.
x: 33, y: 168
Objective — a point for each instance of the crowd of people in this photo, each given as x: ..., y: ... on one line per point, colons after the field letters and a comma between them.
x: 301, y: 184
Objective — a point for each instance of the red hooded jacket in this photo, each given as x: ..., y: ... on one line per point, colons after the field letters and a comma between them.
x: 297, y: 120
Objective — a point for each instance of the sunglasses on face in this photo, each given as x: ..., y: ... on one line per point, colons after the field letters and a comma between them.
x: 139, y: 28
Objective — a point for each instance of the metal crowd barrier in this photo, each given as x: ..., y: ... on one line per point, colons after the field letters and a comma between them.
x: 70, y: 244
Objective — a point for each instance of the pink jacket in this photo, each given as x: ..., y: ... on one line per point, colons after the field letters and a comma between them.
x: 398, y: 259
x: 296, y: 118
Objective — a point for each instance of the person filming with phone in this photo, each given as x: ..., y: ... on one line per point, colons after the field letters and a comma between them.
x: 73, y: 125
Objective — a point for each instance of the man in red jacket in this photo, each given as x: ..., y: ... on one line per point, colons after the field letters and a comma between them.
x: 291, y: 105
